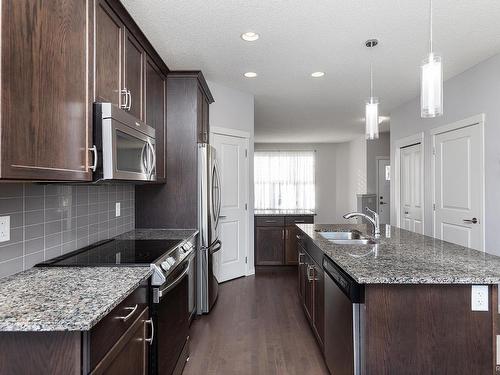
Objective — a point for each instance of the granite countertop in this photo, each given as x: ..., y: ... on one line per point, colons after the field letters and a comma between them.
x: 64, y: 298
x: 403, y: 257
x: 283, y: 212
x: 158, y: 234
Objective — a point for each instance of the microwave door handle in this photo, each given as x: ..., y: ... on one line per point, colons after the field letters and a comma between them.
x: 144, y: 158
x: 153, y: 158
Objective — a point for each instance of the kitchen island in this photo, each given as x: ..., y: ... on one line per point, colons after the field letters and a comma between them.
x: 400, y: 304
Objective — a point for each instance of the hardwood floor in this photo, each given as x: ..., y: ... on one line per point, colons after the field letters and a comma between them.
x: 256, y: 327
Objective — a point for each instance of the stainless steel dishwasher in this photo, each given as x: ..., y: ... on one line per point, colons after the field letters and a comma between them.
x: 343, y: 314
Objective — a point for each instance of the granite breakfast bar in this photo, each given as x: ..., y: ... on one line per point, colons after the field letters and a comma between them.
x: 415, y: 313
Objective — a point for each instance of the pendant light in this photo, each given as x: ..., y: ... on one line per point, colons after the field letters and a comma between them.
x: 371, y: 109
x: 431, y: 80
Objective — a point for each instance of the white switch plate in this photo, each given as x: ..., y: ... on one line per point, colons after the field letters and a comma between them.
x: 479, y: 298
x: 117, y: 209
x: 4, y: 228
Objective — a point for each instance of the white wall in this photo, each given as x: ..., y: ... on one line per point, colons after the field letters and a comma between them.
x: 375, y: 148
x: 234, y: 109
x: 340, y: 175
x: 475, y: 91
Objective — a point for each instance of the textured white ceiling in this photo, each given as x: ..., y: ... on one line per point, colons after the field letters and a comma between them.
x: 302, y: 36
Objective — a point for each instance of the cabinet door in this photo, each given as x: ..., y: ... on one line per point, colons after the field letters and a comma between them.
x: 155, y: 90
x: 291, y: 254
x: 302, y: 273
x: 269, y: 245
x: 133, y: 68
x: 46, y: 116
x: 206, y: 119
x: 309, y: 287
x: 109, y: 34
x: 319, y: 303
x: 130, y: 354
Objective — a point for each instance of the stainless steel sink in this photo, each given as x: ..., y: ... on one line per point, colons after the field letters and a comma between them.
x: 358, y: 241
x: 341, y: 235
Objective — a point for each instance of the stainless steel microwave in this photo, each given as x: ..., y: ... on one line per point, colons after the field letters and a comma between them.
x: 124, y: 147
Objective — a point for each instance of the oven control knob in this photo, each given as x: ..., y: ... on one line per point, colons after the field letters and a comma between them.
x: 165, y: 266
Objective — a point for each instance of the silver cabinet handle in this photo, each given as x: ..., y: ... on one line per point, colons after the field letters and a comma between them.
x: 270, y: 221
x: 94, y: 151
x: 309, y: 268
x: 299, y: 221
x: 471, y: 221
x: 127, y: 317
x: 300, y: 259
x: 150, y: 340
x: 124, y: 92
x: 129, y: 100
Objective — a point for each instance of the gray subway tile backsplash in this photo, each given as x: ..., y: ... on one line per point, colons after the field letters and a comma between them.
x: 48, y: 220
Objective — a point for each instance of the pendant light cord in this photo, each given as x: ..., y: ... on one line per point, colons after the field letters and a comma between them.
x: 430, y: 26
x: 371, y: 78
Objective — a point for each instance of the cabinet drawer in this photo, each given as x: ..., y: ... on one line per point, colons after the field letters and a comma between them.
x: 107, y: 332
x: 269, y: 221
x: 299, y: 220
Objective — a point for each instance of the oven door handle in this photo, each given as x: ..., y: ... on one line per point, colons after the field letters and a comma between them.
x: 174, y: 283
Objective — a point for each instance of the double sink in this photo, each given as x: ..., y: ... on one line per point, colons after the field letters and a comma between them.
x: 353, y: 237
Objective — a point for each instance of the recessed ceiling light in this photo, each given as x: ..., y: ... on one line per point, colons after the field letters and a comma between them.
x: 317, y: 74
x: 250, y: 36
x: 250, y: 74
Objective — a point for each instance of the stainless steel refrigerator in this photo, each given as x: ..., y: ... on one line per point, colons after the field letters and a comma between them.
x: 209, y: 190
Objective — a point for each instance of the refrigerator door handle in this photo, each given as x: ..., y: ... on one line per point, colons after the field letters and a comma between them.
x: 216, y: 246
x: 217, y: 201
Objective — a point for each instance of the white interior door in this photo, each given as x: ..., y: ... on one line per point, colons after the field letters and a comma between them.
x: 458, y: 186
x: 411, y: 193
x: 384, y: 190
x: 230, y: 261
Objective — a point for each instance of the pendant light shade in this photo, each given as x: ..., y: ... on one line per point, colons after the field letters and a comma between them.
x: 431, y: 90
x: 431, y: 80
x: 371, y: 118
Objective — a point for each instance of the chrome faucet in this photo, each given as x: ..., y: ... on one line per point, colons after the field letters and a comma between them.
x: 373, y: 220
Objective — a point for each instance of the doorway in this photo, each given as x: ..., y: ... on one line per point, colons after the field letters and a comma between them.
x: 384, y: 189
x: 458, y: 165
x: 411, y: 193
x: 232, y: 155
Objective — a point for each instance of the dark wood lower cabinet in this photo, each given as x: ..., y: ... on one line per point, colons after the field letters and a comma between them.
x: 276, y: 239
x: 85, y: 352
x: 130, y: 353
x: 311, y: 291
x: 269, y: 241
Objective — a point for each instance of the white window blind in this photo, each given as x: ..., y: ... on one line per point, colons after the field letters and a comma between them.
x: 284, y: 179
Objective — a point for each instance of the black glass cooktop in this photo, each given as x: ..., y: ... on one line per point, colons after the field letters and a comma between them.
x: 116, y: 252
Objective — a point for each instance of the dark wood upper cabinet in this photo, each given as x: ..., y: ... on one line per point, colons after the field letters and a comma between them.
x: 45, y: 112
x: 134, y: 75
x: 203, y: 118
x: 156, y: 112
x: 269, y: 240
x: 57, y: 58
x: 109, y: 35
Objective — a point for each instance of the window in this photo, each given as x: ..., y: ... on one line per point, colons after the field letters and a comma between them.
x: 284, y: 180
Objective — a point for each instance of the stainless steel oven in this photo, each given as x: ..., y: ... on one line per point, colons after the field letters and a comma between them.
x: 124, y: 147
x: 171, y: 314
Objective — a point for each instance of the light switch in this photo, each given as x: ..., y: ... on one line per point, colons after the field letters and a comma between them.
x: 479, y: 298
x: 117, y: 209
x: 4, y: 228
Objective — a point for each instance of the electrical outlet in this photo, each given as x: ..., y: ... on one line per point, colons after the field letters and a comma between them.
x: 4, y: 228
x: 479, y: 298
x: 117, y: 209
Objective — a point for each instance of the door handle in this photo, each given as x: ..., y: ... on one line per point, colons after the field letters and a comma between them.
x: 124, y: 92
x: 150, y: 340
x: 300, y: 259
x: 406, y: 212
x: 470, y: 221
